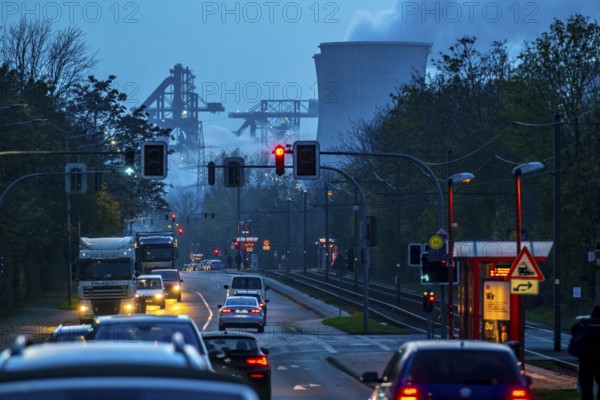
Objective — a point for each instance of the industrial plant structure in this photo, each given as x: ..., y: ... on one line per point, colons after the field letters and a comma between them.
x: 355, y: 79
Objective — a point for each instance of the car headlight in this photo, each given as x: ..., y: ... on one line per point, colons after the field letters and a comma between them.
x: 128, y: 307
x: 176, y: 287
x: 83, y: 308
x: 158, y: 295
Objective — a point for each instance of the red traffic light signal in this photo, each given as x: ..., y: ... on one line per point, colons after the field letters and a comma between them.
x: 428, y: 301
x: 180, y: 231
x: 216, y: 252
x: 279, y: 152
x: 173, y: 217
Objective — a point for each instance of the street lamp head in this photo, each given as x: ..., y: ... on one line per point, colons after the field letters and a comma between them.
x: 462, y: 177
x: 527, y: 168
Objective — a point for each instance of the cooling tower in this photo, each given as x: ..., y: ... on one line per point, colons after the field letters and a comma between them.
x: 355, y: 79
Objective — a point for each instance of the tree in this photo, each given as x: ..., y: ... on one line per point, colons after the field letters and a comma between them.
x: 59, y: 59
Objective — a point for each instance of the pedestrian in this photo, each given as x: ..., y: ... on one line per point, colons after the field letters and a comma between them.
x: 587, y: 333
x: 229, y: 261
x: 238, y: 261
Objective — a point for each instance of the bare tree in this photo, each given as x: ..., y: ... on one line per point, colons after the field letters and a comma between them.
x: 59, y: 59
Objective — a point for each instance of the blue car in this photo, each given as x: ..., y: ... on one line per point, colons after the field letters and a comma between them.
x: 445, y: 370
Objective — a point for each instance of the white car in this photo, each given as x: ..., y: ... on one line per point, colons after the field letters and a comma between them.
x: 150, y: 290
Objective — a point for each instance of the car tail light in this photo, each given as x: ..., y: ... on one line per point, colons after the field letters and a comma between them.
x: 520, y: 394
x: 262, y: 360
x: 226, y: 310
x: 257, y: 376
x: 255, y: 310
x: 408, y: 393
x: 261, y: 305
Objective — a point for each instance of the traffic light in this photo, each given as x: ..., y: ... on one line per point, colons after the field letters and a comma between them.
x: 216, y: 252
x: 173, y: 217
x: 180, y: 231
x: 350, y: 258
x: 129, y: 165
x: 428, y: 301
x: 154, y: 160
x: 436, y: 272
x: 279, y: 152
x: 234, y: 172
x: 414, y: 254
x: 211, y: 173
x: 75, y: 178
x: 306, y: 159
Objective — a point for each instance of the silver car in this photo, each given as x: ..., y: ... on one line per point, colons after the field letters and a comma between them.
x: 241, y: 312
x: 109, y: 370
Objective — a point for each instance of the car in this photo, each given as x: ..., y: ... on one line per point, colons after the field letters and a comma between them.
x: 451, y: 370
x: 150, y: 289
x: 71, y: 333
x: 241, y: 312
x: 159, y: 328
x: 172, y: 282
x: 239, y: 354
x: 247, y: 284
x: 216, y: 264
x: 112, y: 370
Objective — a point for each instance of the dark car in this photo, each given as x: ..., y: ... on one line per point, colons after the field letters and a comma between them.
x: 159, y: 328
x: 71, y: 333
x: 451, y: 370
x: 239, y: 354
x: 109, y: 370
x: 172, y: 282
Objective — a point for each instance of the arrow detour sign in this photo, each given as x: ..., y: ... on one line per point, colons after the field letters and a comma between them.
x: 524, y: 286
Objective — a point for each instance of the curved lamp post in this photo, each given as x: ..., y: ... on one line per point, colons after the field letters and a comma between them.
x: 463, y: 177
x: 517, y: 330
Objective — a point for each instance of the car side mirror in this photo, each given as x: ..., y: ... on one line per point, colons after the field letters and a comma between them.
x: 225, y: 286
x: 219, y: 305
x: 265, y: 350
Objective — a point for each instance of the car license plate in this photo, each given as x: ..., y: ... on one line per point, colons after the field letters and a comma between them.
x: 241, y: 311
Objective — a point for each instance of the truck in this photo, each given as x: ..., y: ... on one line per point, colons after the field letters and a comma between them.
x: 155, y: 250
x: 106, y: 277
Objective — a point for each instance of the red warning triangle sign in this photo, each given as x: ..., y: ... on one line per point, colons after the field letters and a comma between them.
x: 525, y: 267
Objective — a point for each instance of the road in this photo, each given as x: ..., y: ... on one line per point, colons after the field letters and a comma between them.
x: 300, y: 345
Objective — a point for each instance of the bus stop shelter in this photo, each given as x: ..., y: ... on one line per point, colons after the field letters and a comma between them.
x: 486, y: 307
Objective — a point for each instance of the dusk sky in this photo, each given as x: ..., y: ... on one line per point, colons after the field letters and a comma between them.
x: 245, y: 51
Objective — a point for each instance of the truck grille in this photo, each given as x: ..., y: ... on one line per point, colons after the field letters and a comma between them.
x: 105, y: 292
x: 110, y: 307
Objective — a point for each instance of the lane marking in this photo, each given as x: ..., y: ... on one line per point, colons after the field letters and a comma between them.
x: 327, y: 347
x: 375, y: 343
x: 210, y: 313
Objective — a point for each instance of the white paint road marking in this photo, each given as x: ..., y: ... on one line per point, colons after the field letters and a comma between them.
x: 210, y: 313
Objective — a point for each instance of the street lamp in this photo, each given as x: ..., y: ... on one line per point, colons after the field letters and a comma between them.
x: 517, y: 330
x: 463, y: 177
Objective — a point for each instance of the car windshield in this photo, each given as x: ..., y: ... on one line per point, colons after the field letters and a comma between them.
x: 167, y: 275
x: 146, y: 331
x: 148, y: 283
x: 246, y: 283
x: 241, y: 301
x: 462, y: 366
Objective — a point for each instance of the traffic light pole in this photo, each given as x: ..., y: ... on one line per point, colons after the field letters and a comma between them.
x: 365, y: 244
x: 439, y: 200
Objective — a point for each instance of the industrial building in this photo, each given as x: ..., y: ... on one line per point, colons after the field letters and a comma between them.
x: 355, y: 79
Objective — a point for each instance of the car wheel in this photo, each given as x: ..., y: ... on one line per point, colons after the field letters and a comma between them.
x: 163, y: 304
